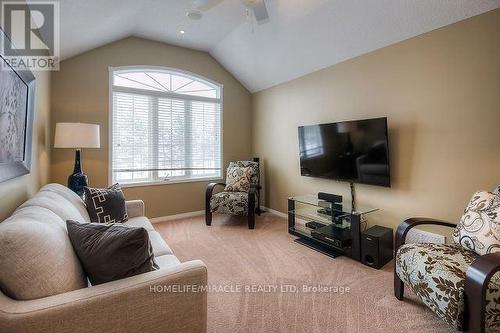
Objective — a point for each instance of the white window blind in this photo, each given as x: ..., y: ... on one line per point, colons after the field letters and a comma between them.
x: 166, y: 127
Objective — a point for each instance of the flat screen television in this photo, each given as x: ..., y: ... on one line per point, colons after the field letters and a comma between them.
x: 355, y: 151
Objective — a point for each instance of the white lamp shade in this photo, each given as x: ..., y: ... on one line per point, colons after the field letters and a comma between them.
x: 77, y: 135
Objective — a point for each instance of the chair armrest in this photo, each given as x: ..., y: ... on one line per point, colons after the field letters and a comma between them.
x: 477, y: 277
x: 252, y: 192
x: 408, y: 224
x: 135, y: 208
x: 209, y: 191
x: 208, y: 196
x: 159, y: 301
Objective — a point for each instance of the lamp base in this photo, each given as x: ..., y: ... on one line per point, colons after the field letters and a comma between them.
x: 78, y: 179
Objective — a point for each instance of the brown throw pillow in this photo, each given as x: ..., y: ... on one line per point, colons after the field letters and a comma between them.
x: 238, y: 179
x: 111, y: 252
x: 479, y: 227
x: 106, y: 205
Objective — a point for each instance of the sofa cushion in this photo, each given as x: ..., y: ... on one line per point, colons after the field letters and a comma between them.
x: 111, y: 252
x: 160, y: 248
x: 142, y: 222
x: 436, y: 274
x: 479, y: 227
x: 36, y: 256
x: 56, y: 203
x: 106, y: 205
x: 167, y: 261
x: 70, y: 196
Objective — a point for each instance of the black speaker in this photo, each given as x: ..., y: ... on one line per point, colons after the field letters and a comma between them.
x: 333, y: 198
x: 376, y: 246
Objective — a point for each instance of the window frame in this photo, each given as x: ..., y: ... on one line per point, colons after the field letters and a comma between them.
x: 113, y: 70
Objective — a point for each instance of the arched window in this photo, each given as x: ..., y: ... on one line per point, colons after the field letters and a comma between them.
x: 166, y: 126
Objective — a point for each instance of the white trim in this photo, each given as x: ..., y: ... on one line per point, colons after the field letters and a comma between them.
x: 168, y: 182
x: 111, y: 71
x: 182, y: 72
x: 176, y: 216
x: 142, y: 92
x: 274, y: 212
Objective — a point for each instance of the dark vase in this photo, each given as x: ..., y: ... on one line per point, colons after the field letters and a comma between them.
x: 78, y: 179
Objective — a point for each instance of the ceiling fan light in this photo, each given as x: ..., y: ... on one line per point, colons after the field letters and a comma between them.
x: 194, y: 14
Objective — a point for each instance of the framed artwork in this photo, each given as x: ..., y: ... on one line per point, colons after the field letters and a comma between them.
x: 17, y: 93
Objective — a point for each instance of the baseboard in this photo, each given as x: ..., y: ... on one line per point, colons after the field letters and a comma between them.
x: 274, y: 212
x: 176, y: 216
x: 201, y: 212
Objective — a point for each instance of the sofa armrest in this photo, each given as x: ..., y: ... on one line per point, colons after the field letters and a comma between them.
x: 135, y: 208
x: 477, y: 277
x: 161, y: 301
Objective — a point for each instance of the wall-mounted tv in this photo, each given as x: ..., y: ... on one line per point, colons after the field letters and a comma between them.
x: 355, y: 151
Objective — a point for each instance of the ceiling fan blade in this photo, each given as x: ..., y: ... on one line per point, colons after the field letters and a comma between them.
x: 205, y: 5
x: 260, y: 11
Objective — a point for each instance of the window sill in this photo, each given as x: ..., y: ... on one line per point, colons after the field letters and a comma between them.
x: 169, y: 182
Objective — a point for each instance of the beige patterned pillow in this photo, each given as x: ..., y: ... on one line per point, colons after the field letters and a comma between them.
x: 479, y: 227
x: 238, y: 179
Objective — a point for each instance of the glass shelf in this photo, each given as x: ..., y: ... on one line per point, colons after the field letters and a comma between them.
x: 307, y: 214
x: 312, y: 200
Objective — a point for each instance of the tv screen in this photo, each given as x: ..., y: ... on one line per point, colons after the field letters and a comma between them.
x: 354, y: 151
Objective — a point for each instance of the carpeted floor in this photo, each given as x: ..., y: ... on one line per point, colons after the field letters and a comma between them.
x: 239, y: 259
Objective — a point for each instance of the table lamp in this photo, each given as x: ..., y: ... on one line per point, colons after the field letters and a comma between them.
x: 77, y: 136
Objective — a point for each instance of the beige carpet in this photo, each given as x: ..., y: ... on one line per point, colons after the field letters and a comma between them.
x: 268, y: 258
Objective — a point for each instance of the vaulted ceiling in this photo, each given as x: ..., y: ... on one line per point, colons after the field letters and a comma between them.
x: 301, y: 36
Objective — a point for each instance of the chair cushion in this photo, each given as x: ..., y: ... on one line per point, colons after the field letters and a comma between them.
x: 497, y: 190
x: 436, y: 274
x: 106, y: 205
x: 36, y: 256
x: 238, y: 179
x: 479, y: 227
x: 235, y: 203
x: 254, y: 180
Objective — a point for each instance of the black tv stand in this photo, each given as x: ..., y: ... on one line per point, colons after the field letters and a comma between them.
x: 353, y: 197
x: 303, y: 209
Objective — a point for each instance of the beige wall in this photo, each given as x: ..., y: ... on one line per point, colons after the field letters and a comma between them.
x: 15, y: 191
x: 441, y: 94
x: 80, y: 94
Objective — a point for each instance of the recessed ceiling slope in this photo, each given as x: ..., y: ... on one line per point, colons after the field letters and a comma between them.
x: 300, y: 36
x: 305, y: 36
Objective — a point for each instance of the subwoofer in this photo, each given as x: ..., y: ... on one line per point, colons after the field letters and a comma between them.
x: 376, y: 246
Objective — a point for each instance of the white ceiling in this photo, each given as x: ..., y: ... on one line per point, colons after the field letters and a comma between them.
x: 301, y: 36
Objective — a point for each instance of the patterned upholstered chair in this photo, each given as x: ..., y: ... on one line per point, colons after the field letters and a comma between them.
x: 459, y: 282
x: 234, y: 202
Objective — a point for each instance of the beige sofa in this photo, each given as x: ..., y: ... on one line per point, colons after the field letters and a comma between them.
x: 44, y: 288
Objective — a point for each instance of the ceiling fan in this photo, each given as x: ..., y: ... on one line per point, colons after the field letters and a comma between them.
x: 258, y: 7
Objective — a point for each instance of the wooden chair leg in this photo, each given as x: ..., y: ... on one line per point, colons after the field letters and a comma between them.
x: 208, y: 217
x: 251, y: 220
x: 399, y: 287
